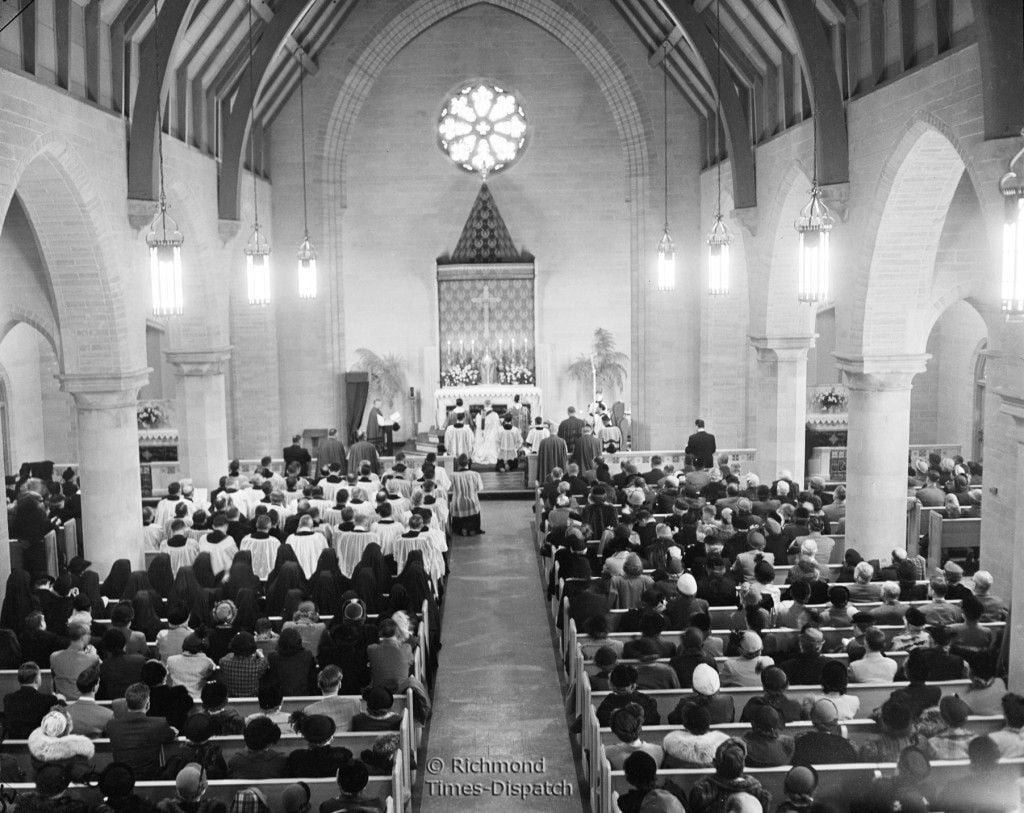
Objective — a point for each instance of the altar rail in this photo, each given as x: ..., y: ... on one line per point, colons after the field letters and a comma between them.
x: 747, y: 459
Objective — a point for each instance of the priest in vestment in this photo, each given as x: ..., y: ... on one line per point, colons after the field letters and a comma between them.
x: 459, y: 438
x: 552, y: 452
x: 379, y: 429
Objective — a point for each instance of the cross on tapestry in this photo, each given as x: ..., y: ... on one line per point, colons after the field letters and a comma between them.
x: 485, y: 301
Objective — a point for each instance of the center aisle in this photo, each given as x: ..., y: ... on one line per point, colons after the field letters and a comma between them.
x: 497, y: 696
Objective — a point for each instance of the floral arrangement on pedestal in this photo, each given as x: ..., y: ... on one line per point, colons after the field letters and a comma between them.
x: 830, y: 400
x: 460, y: 375
x: 149, y: 414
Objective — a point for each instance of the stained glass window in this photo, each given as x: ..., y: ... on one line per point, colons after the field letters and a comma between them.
x: 482, y: 128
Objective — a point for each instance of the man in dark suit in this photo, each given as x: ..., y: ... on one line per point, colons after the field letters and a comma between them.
x: 171, y: 703
x: 25, y: 708
x: 701, y: 444
x: 654, y: 476
x: 570, y: 430
x: 297, y: 454
x: 137, y: 739
x: 118, y: 670
x: 330, y: 451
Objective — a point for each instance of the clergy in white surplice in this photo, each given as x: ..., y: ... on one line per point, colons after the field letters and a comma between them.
x: 459, y: 438
x: 308, y: 544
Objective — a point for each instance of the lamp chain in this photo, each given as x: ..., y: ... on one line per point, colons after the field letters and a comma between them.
x: 665, y: 131
x: 718, y: 97
x: 252, y: 126
x: 159, y: 117
x: 302, y: 132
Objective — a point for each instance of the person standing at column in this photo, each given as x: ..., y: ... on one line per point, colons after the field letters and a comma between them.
x: 701, y: 444
x: 465, y: 502
x: 30, y: 524
x: 330, y: 451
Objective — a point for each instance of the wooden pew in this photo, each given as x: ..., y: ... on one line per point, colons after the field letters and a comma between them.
x: 944, y: 534
x: 857, y: 731
x: 872, y: 695
x: 842, y: 657
x: 837, y: 782
x: 389, y: 789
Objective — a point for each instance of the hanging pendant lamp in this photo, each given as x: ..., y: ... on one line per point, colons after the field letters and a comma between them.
x: 257, y: 250
x: 666, y: 248
x: 307, y: 254
x: 165, y: 238
x: 814, y: 225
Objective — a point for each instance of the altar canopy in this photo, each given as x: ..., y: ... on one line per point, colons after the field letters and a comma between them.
x: 486, y: 305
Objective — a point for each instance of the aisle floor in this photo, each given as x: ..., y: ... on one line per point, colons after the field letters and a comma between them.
x: 498, y: 696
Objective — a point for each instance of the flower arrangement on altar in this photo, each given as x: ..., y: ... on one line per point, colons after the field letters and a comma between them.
x: 830, y: 399
x: 460, y: 375
x: 149, y: 414
x: 514, y: 373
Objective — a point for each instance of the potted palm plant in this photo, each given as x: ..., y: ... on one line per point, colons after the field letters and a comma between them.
x: 603, y: 369
x: 387, y: 375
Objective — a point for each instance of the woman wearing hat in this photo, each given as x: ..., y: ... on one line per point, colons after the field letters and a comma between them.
x: 379, y: 715
x: 707, y: 694
x: 745, y: 670
x: 766, y: 746
x: 695, y: 745
x: 319, y: 758
x: 54, y: 744
x: 800, y: 784
x: 242, y: 668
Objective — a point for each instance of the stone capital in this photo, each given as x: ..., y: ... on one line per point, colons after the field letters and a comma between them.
x: 141, y: 212
x: 782, y: 348
x: 199, y: 362
x: 228, y: 229
x: 748, y: 217
x: 1012, y: 404
x: 881, y: 373
x: 93, y: 391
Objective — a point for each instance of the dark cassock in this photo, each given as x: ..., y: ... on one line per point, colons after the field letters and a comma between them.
x: 587, y: 448
x: 330, y: 451
x: 551, y: 452
x: 362, y: 449
x: 378, y: 431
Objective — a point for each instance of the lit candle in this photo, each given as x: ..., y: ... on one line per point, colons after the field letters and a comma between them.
x: 500, y: 340
x: 524, y: 344
x: 462, y: 346
x: 472, y: 346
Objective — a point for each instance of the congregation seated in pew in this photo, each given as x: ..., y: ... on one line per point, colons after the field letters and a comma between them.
x: 138, y: 641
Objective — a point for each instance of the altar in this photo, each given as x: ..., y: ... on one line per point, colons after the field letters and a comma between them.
x: 473, y: 397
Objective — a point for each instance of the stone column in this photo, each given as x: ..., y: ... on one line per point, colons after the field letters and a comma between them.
x: 781, y: 404
x: 202, y: 413
x: 108, y: 465
x: 1013, y: 405
x: 877, y: 447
